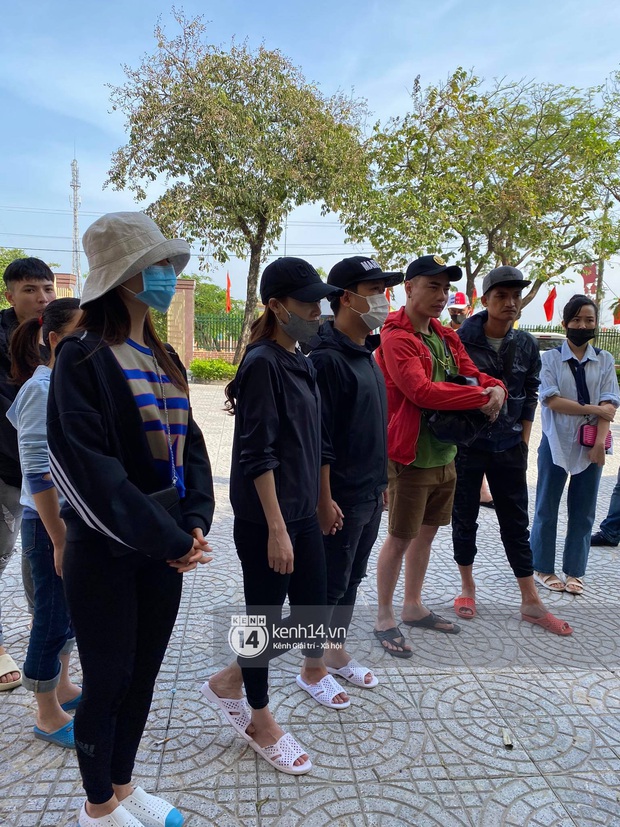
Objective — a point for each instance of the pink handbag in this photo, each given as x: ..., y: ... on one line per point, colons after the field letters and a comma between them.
x: 587, y: 436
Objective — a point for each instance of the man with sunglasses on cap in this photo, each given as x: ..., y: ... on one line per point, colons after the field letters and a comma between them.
x: 501, y: 453
x: 416, y: 356
x: 354, y: 418
x: 458, y: 308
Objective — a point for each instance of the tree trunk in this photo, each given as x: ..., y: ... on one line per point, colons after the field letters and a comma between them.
x: 250, y: 301
x: 532, y: 292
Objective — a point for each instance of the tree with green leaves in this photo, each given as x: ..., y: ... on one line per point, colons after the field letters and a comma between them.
x: 7, y: 255
x: 513, y: 173
x: 239, y: 138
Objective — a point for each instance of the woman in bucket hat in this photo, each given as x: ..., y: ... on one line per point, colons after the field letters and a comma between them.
x: 274, y: 492
x: 132, y: 465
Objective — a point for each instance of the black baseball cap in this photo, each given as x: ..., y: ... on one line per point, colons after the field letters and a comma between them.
x: 432, y: 266
x: 506, y: 276
x: 293, y: 277
x: 360, y: 268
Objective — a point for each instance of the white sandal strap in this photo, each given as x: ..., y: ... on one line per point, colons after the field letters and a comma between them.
x: 285, y: 751
x: 326, y: 689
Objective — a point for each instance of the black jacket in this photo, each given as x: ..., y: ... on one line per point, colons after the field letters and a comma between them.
x: 277, y: 428
x: 10, y: 471
x: 354, y: 414
x: 522, y: 380
x: 101, y: 461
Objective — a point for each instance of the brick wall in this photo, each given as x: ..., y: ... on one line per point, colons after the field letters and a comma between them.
x: 214, y: 354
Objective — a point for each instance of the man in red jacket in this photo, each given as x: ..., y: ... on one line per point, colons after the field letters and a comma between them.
x: 416, y: 355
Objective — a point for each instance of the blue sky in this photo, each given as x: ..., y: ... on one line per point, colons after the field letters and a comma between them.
x: 57, y: 58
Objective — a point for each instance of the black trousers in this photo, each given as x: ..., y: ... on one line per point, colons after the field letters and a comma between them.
x: 123, y: 610
x: 265, y: 592
x: 506, y: 474
x: 347, y: 552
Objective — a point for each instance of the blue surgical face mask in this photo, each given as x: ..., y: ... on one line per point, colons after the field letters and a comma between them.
x: 158, y: 285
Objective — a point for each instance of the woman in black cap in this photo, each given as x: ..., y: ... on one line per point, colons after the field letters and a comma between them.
x: 274, y: 491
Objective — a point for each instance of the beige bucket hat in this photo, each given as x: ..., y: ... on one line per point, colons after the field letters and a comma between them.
x: 120, y: 244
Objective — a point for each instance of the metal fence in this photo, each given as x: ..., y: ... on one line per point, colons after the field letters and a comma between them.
x: 605, y: 339
x: 221, y: 331
x: 217, y: 331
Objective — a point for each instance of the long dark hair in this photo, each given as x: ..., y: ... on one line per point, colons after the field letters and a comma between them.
x: 108, y: 317
x: 24, y: 349
x: 264, y: 327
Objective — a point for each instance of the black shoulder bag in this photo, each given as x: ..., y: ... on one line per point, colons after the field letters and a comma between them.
x: 463, y: 428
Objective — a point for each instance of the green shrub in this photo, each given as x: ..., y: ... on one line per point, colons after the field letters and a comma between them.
x: 212, y: 369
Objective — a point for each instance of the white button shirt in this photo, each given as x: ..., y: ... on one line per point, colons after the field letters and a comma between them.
x: 556, y: 379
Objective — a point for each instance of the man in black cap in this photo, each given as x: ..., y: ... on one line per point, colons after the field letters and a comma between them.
x: 416, y: 356
x: 501, y: 452
x: 354, y: 416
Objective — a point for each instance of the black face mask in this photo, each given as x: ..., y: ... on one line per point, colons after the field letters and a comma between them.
x: 579, y: 336
x: 458, y: 318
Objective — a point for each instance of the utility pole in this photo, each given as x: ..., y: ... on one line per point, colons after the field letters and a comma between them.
x: 75, y: 203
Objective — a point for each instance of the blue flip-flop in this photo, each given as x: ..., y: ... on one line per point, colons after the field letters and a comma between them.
x: 63, y: 737
x: 69, y: 706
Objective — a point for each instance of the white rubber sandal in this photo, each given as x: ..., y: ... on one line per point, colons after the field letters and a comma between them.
x: 236, y: 710
x: 324, y: 691
x: 283, y: 754
x: 120, y: 817
x: 355, y: 673
x: 151, y: 810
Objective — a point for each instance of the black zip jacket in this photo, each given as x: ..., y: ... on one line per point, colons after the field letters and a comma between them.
x: 101, y: 461
x: 354, y: 414
x: 277, y: 428
x: 10, y: 471
x: 522, y: 382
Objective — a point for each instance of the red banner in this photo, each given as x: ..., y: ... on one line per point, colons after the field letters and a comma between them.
x: 549, y: 304
x: 589, y: 276
x: 474, y: 299
x: 228, y: 304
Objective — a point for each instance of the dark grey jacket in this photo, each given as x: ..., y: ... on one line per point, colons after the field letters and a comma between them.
x: 522, y: 379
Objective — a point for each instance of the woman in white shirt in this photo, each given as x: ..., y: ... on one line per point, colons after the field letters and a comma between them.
x: 578, y: 386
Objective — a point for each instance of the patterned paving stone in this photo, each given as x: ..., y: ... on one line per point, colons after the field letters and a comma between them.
x: 423, y: 748
x: 523, y: 802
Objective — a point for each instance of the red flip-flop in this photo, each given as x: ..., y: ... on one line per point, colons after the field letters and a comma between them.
x: 551, y: 623
x: 465, y: 607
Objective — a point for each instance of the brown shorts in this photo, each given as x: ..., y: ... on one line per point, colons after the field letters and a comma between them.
x: 419, y: 496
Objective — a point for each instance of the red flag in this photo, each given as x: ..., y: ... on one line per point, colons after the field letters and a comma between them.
x: 474, y: 299
x: 549, y: 303
x: 388, y: 297
x: 617, y: 313
x: 228, y: 304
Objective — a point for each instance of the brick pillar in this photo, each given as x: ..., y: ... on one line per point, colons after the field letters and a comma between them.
x: 65, y: 285
x: 181, y: 320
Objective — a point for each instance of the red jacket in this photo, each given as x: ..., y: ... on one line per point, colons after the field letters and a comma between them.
x: 407, y: 365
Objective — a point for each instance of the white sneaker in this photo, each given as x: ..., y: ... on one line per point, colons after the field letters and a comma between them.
x: 120, y: 817
x: 152, y: 810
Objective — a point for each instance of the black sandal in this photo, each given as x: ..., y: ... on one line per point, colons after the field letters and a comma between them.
x: 393, y: 636
x: 434, y: 622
